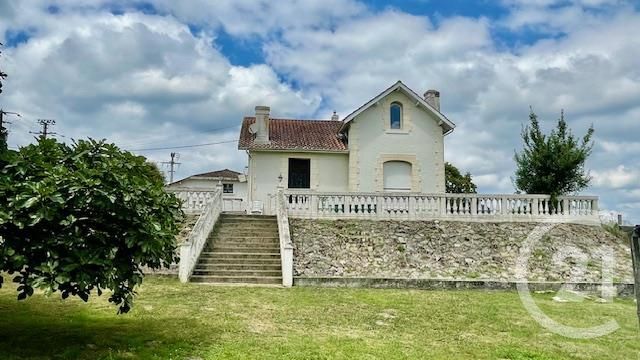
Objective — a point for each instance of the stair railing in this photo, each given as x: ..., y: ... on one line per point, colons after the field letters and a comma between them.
x: 191, y: 249
x: 286, y: 247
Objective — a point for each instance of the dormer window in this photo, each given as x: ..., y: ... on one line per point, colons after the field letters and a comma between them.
x: 395, y: 115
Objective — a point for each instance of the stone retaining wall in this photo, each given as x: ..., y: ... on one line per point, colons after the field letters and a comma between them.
x: 453, y: 250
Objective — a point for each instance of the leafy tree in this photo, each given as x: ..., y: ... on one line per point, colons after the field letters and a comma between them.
x: 85, y: 216
x: 456, y: 183
x: 3, y: 131
x: 552, y: 164
x: 155, y: 172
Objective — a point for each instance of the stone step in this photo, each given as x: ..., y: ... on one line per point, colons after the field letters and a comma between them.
x: 261, y: 259
x: 244, y: 250
x: 251, y: 245
x: 247, y: 218
x: 242, y: 232
x: 245, y: 238
x: 249, y: 229
x: 241, y: 273
x: 226, y: 255
x: 239, y: 266
x: 237, y: 279
x: 244, y: 235
x: 248, y: 223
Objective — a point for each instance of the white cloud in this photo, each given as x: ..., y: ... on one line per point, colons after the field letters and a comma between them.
x: 619, y: 177
x: 146, y: 80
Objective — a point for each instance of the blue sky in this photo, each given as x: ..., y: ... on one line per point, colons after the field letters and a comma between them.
x: 161, y: 73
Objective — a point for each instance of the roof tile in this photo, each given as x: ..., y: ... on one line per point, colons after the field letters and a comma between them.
x: 294, y: 134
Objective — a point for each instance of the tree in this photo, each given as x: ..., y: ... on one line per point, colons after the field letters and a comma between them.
x: 456, y: 183
x: 3, y: 131
x: 85, y: 216
x: 552, y: 164
x: 155, y: 172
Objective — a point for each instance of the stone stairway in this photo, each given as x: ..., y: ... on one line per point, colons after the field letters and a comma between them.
x: 241, y: 249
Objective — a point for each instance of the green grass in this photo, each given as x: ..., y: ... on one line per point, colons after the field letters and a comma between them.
x: 175, y: 321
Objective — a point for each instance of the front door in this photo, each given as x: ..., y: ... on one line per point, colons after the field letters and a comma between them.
x: 299, y: 174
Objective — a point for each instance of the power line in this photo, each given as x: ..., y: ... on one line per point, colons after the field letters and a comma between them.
x: 144, y: 144
x: 4, y: 132
x: 185, y: 146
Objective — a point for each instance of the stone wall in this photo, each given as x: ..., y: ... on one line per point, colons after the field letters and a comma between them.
x: 453, y: 250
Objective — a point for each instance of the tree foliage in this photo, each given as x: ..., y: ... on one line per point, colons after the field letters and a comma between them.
x: 552, y: 164
x: 456, y: 183
x: 85, y: 216
x: 3, y: 131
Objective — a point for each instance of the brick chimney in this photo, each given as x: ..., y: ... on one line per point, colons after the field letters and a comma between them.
x: 262, y: 125
x: 432, y: 97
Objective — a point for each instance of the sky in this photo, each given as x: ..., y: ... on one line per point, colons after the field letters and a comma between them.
x: 163, y: 73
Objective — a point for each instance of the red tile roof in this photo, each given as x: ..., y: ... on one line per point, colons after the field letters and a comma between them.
x: 290, y: 134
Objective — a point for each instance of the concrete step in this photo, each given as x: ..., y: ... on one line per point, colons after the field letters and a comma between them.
x: 267, y: 261
x: 247, y: 218
x: 241, y: 273
x: 245, y: 238
x: 236, y: 255
x: 245, y: 233
x: 239, y: 266
x: 237, y: 279
x: 240, y: 244
x: 244, y: 250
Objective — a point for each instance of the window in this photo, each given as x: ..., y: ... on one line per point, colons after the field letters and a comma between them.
x: 299, y: 174
x: 395, y: 115
x: 227, y: 188
x: 397, y: 176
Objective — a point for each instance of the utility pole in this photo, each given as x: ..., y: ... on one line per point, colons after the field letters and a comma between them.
x: 172, y: 164
x: 45, y: 123
x: 4, y: 134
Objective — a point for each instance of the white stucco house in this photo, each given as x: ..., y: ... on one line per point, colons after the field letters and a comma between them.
x: 394, y: 142
x: 234, y: 187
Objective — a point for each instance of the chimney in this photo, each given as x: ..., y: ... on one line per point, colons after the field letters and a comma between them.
x: 262, y: 125
x: 432, y: 97
x: 335, y: 117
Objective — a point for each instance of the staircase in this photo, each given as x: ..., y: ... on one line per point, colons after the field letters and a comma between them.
x: 241, y: 249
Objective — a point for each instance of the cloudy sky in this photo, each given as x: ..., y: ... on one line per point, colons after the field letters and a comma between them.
x: 157, y: 74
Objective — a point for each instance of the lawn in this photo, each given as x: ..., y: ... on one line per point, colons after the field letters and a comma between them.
x: 175, y: 321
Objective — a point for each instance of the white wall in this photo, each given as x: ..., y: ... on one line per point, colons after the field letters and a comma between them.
x: 239, y: 188
x: 329, y: 172
x: 420, y: 141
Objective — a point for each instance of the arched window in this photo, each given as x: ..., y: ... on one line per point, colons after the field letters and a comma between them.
x: 395, y: 115
x: 397, y: 176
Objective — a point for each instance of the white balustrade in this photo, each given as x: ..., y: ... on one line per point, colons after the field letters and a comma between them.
x: 286, y: 246
x: 195, y: 200
x: 190, y: 250
x: 233, y: 204
x: 417, y: 206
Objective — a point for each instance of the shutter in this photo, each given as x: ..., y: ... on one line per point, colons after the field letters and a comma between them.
x: 397, y: 176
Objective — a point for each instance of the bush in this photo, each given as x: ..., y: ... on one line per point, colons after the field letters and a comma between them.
x: 83, y: 217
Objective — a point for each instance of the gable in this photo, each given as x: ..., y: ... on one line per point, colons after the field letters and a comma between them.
x: 446, y: 125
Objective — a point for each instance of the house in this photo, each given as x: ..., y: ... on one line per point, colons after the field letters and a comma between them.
x: 384, y: 161
x: 392, y: 143
x: 234, y: 187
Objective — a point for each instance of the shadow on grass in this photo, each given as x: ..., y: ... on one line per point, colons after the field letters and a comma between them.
x: 38, y: 329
